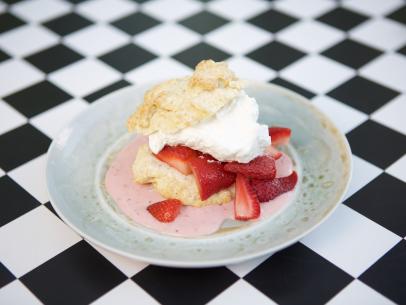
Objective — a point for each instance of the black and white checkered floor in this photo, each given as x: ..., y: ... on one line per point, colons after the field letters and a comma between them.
x: 348, y: 57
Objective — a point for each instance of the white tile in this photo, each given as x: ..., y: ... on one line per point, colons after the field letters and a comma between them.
x: 383, y: 34
x: 303, y: 9
x: 17, y: 293
x: 167, y: 39
x: 398, y: 169
x: 246, y: 68
x: 363, y: 172
x: 127, y: 293
x: 106, y: 10
x: 3, y: 7
x: 52, y: 121
x: 310, y: 36
x: 241, y: 293
x: 1, y: 172
x: 32, y: 239
x: 160, y: 68
x: 84, y: 77
x: 96, y: 39
x: 358, y: 293
x: 317, y: 73
x: 40, y: 10
x: 237, y: 9
x: 172, y: 10
x: 27, y: 39
x: 16, y: 74
x: 345, y: 117
x: 9, y: 117
x: 372, y: 7
x: 126, y: 265
x: 242, y: 269
x: 31, y: 176
x: 229, y: 37
x: 392, y: 114
x: 351, y: 241
x: 388, y: 69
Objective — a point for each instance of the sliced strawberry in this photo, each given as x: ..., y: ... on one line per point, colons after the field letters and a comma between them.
x: 210, y: 175
x: 177, y: 157
x: 279, y: 135
x: 270, y: 189
x: 262, y: 167
x: 246, y: 204
x: 166, y: 210
x: 273, y: 152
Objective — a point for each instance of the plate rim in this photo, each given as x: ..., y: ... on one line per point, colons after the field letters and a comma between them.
x: 210, y: 262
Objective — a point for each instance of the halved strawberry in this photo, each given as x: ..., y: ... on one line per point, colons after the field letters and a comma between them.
x: 177, y: 157
x: 273, y: 152
x: 270, y: 189
x: 166, y: 210
x: 262, y: 167
x: 279, y: 135
x: 210, y: 175
x: 246, y: 204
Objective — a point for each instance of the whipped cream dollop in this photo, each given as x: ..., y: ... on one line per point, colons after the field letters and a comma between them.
x: 232, y: 134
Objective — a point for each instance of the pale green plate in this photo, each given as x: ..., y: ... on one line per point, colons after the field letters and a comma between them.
x: 320, y: 151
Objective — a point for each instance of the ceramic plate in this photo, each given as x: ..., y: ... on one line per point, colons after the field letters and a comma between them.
x: 77, y: 160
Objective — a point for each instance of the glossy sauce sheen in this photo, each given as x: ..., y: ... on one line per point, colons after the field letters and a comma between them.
x: 133, y: 199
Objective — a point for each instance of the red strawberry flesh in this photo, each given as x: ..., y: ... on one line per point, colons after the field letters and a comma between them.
x: 246, y: 204
x: 166, y: 210
x: 262, y: 167
x: 279, y: 135
x: 210, y: 175
x: 270, y: 189
x: 177, y: 157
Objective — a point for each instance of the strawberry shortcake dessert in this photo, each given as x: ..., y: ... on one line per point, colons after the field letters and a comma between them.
x: 200, y: 157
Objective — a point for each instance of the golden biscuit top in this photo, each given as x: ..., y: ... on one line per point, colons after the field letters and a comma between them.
x: 178, y: 103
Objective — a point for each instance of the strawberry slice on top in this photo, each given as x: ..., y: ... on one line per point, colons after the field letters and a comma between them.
x: 210, y: 175
x: 246, y: 204
x: 270, y: 189
x: 279, y: 135
x: 262, y: 167
x: 178, y: 157
x: 166, y: 210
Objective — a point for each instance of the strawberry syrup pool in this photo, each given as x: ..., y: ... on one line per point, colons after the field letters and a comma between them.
x: 133, y: 199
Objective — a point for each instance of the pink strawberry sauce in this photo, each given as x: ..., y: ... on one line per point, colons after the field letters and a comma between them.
x: 133, y: 198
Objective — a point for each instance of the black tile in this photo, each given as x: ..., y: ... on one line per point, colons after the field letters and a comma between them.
x: 284, y: 83
x: 49, y: 206
x: 135, y: 23
x: 192, y: 56
x: 54, y: 58
x: 127, y: 58
x: 20, y: 145
x: 392, y: 144
x: 8, y: 22
x: 342, y: 18
x: 67, y: 24
x: 402, y: 50
x: 11, y: 1
x: 3, y: 56
x: 352, y: 53
x: 399, y: 15
x: 102, y: 92
x: 203, y: 22
x: 78, y: 275
x: 363, y: 94
x: 292, y: 275
x: 272, y: 20
x: 276, y: 55
x: 184, y: 286
x: 76, y: 1
x: 15, y: 201
x: 387, y: 275
x: 37, y: 98
x: 383, y: 201
x: 5, y: 276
